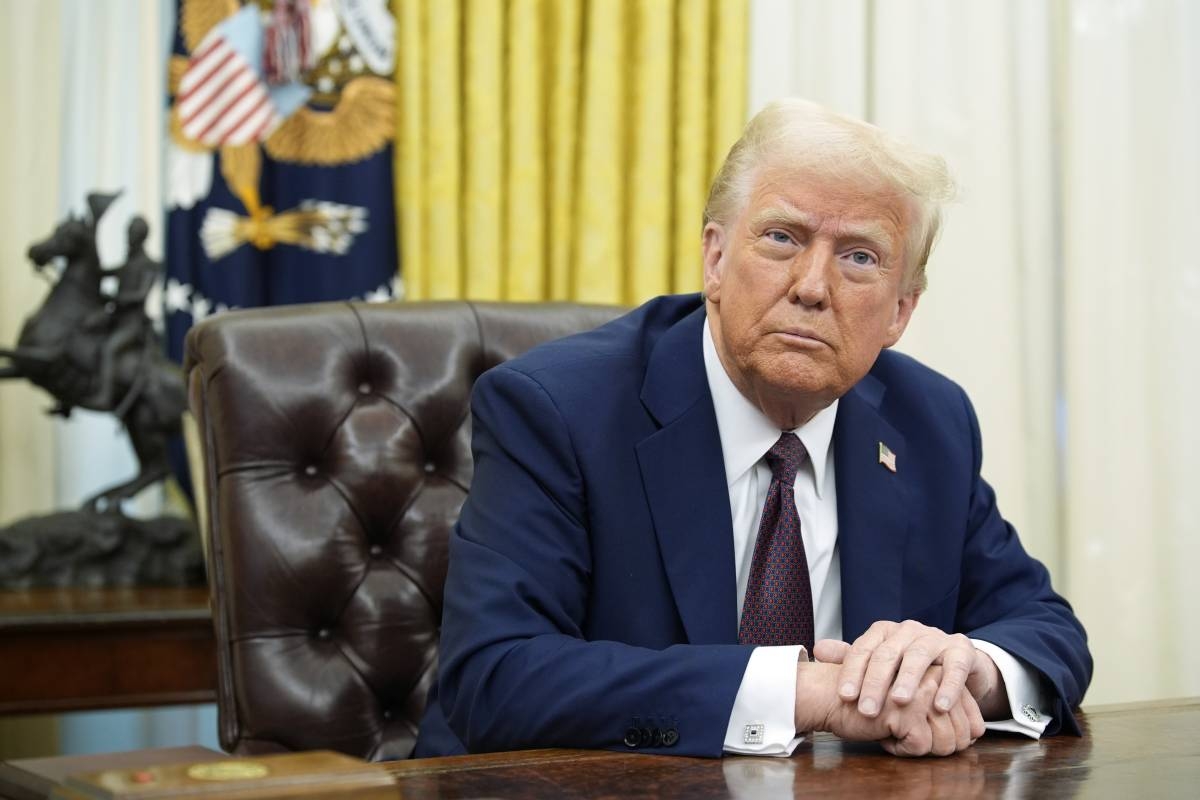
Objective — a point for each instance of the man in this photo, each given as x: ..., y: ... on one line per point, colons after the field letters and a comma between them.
x: 668, y: 512
x: 130, y: 338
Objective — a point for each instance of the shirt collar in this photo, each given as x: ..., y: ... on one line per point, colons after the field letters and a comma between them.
x: 747, y: 434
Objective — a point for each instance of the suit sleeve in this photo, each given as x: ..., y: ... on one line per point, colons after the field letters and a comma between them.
x: 1006, y: 599
x: 516, y: 668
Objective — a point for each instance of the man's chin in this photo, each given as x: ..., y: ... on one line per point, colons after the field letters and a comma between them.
x: 798, y: 372
x: 806, y: 389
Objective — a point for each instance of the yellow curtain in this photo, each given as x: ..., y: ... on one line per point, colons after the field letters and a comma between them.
x: 562, y: 149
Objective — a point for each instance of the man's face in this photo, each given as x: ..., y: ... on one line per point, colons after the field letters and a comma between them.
x: 805, y: 288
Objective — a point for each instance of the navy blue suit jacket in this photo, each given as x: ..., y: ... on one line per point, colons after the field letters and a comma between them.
x: 591, y: 579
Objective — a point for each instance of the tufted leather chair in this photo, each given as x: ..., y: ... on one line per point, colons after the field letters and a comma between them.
x: 336, y: 456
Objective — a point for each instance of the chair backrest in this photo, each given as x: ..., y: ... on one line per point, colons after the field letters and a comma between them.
x: 336, y: 457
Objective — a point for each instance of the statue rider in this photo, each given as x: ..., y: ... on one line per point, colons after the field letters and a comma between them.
x: 124, y: 350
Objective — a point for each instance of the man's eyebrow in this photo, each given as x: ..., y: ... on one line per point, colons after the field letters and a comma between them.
x: 781, y: 216
x: 872, y: 232
x: 867, y: 231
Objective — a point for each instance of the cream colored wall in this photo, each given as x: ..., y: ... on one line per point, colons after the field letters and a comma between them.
x: 29, y: 145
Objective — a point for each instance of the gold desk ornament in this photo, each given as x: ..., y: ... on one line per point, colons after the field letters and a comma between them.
x: 232, y: 770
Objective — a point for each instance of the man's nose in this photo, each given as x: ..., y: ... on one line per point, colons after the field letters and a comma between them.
x: 811, y: 277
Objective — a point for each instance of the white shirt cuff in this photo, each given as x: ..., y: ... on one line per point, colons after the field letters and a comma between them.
x: 763, y: 720
x: 1025, y: 699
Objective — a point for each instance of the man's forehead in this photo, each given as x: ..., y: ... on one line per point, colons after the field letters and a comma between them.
x: 862, y: 215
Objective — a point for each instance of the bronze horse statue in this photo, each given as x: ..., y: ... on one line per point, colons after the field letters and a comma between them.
x: 99, y: 352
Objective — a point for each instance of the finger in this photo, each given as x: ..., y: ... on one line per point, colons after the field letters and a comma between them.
x: 910, y: 725
x: 854, y: 663
x: 974, y: 716
x: 831, y: 651
x: 881, y: 670
x: 888, y: 744
x: 944, y: 737
x: 919, y: 740
x: 957, y: 659
x: 916, y: 661
x: 962, y: 727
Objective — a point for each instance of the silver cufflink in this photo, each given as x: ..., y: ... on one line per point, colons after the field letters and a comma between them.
x: 1030, y: 713
x: 753, y: 733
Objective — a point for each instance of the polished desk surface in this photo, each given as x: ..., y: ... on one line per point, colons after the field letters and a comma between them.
x: 142, y: 646
x: 1145, y: 750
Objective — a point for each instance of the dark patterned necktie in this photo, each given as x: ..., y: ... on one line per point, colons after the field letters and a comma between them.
x: 778, y: 608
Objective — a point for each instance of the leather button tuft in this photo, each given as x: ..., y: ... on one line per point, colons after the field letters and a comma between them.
x: 669, y: 737
x: 387, y: 713
x: 376, y: 550
x: 310, y: 470
x: 633, y: 737
x: 364, y: 388
x: 430, y: 468
x: 324, y: 634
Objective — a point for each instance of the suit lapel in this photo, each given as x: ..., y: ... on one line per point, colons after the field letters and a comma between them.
x: 873, y: 510
x: 684, y: 479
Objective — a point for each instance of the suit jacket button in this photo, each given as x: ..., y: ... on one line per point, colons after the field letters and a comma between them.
x: 656, y: 737
x: 669, y: 737
x: 633, y: 737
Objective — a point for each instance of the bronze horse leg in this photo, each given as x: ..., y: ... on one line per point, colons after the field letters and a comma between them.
x: 112, y: 497
x: 10, y: 370
x: 43, y: 356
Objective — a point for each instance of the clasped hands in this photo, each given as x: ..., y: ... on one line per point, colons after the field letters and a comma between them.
x: 915, y: 689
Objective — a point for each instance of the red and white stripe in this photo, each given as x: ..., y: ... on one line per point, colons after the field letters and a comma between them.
x: 221, y: 100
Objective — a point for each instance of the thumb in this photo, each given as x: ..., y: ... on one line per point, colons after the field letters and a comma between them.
x: 831, y: 651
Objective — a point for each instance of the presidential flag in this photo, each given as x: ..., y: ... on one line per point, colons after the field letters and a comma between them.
x: 279, y: 163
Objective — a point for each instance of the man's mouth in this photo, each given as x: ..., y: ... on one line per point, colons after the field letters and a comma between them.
x: 803, y: 336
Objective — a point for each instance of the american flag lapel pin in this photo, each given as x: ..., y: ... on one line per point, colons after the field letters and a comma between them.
x: 887, y: 457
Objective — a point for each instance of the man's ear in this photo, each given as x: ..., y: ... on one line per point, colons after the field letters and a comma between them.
x: 905, y: 307
x: 713, y: 249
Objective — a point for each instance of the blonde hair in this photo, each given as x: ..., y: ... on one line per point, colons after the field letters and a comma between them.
x: 799, y: 133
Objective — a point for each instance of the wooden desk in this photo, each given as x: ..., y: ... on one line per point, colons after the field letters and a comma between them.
x: 1143, y: 750
x: 74, y: 649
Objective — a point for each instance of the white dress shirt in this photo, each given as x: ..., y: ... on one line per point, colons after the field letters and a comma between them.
x: 766, y: 699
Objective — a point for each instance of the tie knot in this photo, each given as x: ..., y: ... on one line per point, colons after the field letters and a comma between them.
x: 785, y: 457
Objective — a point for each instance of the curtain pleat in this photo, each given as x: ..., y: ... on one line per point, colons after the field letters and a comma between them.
x: 649, y: 226
x: 443, y: 150
x: 410, y: 153
x: 563, y: 148
x: 729, y: 78
x: 600, y: 204
x: 691, y: 142
x: 565, y: 23
x: 525, y: 245
x: 482, y: 236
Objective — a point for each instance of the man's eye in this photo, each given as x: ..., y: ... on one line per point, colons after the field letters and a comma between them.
x: 779, y: 236
x: 862, y: 258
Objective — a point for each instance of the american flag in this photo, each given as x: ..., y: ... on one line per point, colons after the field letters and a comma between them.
x: 222, y: 98
x: 887, y: 457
